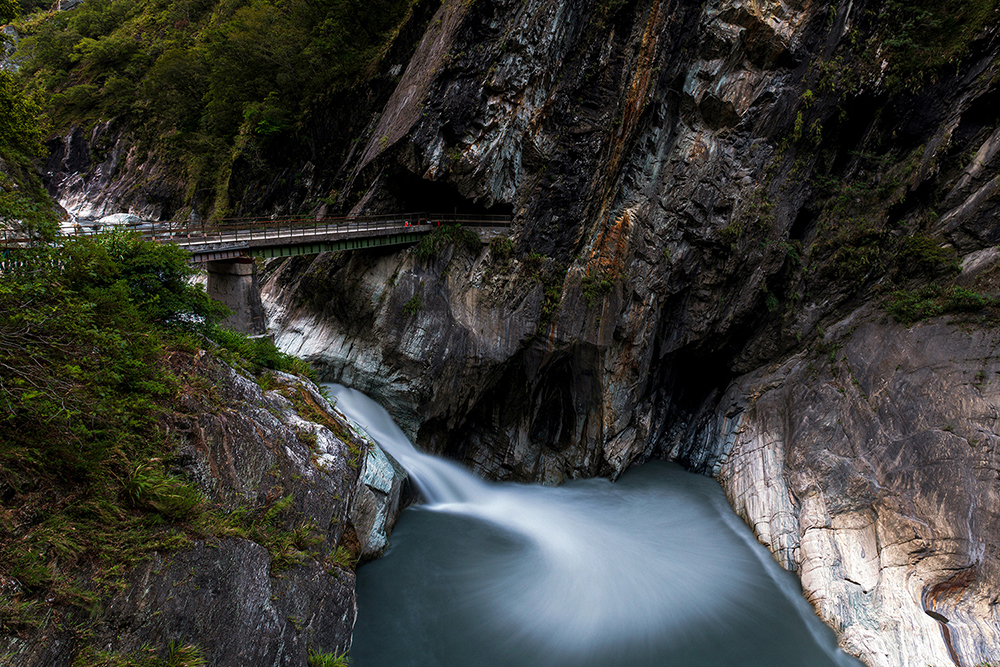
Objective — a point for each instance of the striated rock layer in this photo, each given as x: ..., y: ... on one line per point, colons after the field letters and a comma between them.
x: 874, y: 472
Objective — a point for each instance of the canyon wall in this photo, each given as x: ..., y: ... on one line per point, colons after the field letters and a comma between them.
x: 707, y: 231
x: 715, y: 206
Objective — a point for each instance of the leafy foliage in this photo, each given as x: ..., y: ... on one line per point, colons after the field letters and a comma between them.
x: 911, y: 306
x: 413, y: 306
x: 87, y: 332
x: 501, y: 249
x: 922, y: 36
x: 923, y: 257
x: 25, y: 209
x: 432, y: 244
x: 852, y: 236
x: 258, y: 353
x: 594, y: 287
x: 19, y: 129
x: 289, y: 542
x: 206, y: 81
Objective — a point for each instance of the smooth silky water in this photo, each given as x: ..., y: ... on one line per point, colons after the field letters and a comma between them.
x: 655, y: 569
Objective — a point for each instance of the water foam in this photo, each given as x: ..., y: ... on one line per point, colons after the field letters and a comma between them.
x: 593, y: 568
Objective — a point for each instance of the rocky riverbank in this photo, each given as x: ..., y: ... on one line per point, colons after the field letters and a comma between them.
x: 303, y: 498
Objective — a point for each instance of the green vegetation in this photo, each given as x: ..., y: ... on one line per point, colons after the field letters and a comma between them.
x: 853, y: 242
x: 205, y: 82
x: 923, y: 257
x: 318, y: 658
x: 289, y: 542
x: 256, y: 354
x: 24, y: 207
x: 595, y: 287
x: 93, y: 338
x: 343, y: 558
x: 501, y: 249
x: 177, y: 655
x: 432, y: 244
x: 413, y: 306
x: 152, y: 488
x: 551, y: 276
x: 906, y: 42
x: 307, y: 408
x: 83, y: 348
x: 922, y: 36
x: 908, y: 306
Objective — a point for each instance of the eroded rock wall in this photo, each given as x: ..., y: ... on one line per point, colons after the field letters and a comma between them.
x: 670, y: 228
x: 700, y: 192
x: 873, y: 471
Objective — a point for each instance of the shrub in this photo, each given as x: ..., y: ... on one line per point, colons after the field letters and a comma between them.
x: 501, y: 248
x: 413, y: 306
x: 595, y: 287
x: 258, y: 353
x: 318, y: 658
x: 924, y: 35
x: 432, y: 244
x: 908, y: 306
x: 87, y: 334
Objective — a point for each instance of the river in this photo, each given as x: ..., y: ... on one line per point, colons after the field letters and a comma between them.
x: 654, y: 569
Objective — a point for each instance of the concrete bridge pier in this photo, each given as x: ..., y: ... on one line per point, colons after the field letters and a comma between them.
x: 233, y: 282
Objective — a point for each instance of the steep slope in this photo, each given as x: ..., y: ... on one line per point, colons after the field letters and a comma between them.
x: 269, y: 583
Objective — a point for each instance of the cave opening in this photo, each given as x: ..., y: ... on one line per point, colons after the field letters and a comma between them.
x: 414, y: 194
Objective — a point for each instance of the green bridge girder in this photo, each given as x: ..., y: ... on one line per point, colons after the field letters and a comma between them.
x: 315, y: 247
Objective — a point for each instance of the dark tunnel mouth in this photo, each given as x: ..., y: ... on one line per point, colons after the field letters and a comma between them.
x: 415, y: 194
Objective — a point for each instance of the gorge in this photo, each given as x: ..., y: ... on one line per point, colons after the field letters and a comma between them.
x: 756, y: 238
x: 652, y: 570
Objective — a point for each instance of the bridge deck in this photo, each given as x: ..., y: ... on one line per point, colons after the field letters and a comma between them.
x: 279, y: 237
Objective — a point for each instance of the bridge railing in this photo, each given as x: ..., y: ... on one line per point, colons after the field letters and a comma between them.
x: 12, y: 238
x: 279, y: 227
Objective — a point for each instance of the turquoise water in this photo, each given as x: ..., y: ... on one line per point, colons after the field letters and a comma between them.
x: 654, y: 569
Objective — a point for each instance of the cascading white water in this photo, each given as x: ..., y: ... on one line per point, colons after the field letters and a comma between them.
x: 639, y: 572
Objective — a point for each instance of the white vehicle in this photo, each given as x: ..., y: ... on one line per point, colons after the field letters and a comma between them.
x: 120, y: 220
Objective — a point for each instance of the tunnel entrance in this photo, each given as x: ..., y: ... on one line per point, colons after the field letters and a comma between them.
x: 416, y: 194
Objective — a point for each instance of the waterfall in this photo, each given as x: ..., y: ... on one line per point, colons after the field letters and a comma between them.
x: 630, y: 573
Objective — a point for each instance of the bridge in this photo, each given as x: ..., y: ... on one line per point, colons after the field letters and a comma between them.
x: 227, y: 247
x: 285, y: 236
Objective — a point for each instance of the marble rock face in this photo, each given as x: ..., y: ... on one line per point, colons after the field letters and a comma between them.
x: 873, y: 471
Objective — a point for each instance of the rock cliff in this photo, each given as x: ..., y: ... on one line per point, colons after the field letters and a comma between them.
x: 873, y: 472
x: 700, y: 193
x: 713, y: 205
x: 275, y: 580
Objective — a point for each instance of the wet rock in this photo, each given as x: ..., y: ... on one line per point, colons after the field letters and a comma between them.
x: 875, y: 477
x: 377, y: 501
